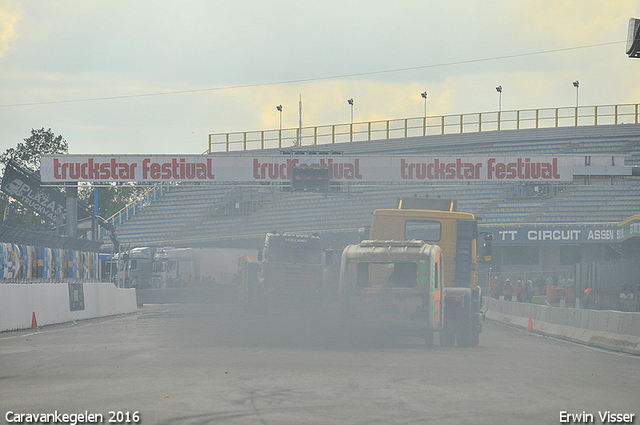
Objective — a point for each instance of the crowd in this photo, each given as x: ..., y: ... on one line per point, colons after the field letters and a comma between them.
x: 524, y: 291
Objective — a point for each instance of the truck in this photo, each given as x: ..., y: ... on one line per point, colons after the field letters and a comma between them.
x: 436, y: 246
x: 148, y: 267
x: 288, y: 273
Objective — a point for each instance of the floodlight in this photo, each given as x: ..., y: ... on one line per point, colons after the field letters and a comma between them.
x: 633, y: 38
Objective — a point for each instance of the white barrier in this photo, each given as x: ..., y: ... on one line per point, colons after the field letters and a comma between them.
x: 51, y: 303
x: 613, y: 330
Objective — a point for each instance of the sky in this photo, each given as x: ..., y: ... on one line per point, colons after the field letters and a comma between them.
x: 157, y: 77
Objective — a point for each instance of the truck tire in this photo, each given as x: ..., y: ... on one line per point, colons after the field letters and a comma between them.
x: 428, y: 338
x: 464, y: 333
x: 475, y: 340
x: 447, y: 337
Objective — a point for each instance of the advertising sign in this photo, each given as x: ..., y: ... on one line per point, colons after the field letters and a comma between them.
x: 48, y: 202
x: 355, y: 168
x: 565, y: 233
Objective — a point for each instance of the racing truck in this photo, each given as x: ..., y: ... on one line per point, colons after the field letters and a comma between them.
x: 434, y: 248
x: 288, y: 273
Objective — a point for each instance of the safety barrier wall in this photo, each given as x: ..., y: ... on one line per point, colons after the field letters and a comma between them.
x: 614, y: 330
x: 51, y: 303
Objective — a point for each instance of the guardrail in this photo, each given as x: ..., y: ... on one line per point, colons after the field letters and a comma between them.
x: 426, y: 126
x: 134, y: 207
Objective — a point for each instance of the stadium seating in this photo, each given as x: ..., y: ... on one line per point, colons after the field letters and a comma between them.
x: 205, y: 213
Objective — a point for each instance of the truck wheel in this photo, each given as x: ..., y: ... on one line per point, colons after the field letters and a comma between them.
x: 463, y: 335
x: 476, y: 338
x: 428, y: 338
x: 447, y: 337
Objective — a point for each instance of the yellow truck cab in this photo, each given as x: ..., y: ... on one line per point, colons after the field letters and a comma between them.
x: 395, y: 284
x: 432, y: 222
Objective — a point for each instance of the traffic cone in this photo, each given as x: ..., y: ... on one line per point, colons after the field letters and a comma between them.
x: 34, y: 322
x: 530, y: 325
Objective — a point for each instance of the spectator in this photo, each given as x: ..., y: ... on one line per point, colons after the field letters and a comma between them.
x: 519, y: 291
x: 508, y: 290
x: 587, y: 298
x: 528, y: 291
x: 495, y: 288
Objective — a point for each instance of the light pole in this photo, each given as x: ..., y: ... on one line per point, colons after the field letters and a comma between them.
x: 424, y: 127
x: 576, y: 84
x: 350, y: 102
x: 499, y: 90
x: 279, y: 108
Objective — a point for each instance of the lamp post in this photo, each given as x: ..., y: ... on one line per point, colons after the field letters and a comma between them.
x: 279, y: 108
x: 350, y: 102
x: 424, y: 127
x: 499, y: 90
x: 576, y: 84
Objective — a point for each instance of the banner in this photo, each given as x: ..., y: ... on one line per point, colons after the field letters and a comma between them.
x: 48, y: 202
x: 355, y: 168
x: 543, y: 234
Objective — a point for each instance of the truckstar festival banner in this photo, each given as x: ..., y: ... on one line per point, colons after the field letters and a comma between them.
x: 355, y: 168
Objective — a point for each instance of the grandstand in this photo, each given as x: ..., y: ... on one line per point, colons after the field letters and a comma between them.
x: 225, y: 214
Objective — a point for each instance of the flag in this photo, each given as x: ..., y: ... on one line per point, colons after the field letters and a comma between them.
x: 6, y: 213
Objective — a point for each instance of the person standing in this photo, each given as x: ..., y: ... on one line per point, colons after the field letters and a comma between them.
x: 528, y: 291
x: 519, y: 291
x: 495, y: 288
x: 508, y: 290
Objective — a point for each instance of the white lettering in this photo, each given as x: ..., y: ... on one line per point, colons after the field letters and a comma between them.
x: 511, y: 233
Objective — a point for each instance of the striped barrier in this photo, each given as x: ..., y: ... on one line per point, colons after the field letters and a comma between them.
x: 613, y: 330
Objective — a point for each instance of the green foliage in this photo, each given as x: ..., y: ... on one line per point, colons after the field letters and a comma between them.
x: 112, y: 197
x: 40, y: 142
x: 27, y: 154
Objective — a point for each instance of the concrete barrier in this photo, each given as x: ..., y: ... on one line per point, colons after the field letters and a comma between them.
x: 613, y: 330
x: 60, y: 302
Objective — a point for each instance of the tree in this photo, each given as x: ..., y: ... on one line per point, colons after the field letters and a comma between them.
x: 113, y: 197
x: 40, y: 142
x: 27, y: 154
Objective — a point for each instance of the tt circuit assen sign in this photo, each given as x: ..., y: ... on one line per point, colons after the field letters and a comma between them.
x: 565, y: 234
x: 354, y: 168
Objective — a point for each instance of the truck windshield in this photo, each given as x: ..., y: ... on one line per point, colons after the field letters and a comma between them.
x: 424, y: 230
x: 294, y: 249
x: 387, y: 274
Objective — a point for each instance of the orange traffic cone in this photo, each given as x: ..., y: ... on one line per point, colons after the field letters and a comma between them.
x: 530, y: 325
x: 34, y: 322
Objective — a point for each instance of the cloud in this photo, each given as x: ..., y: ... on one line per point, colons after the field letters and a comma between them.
x: 9, y: 17
x: 568, y: 22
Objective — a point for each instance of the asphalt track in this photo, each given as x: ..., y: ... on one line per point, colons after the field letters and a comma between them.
x: 215, y: 364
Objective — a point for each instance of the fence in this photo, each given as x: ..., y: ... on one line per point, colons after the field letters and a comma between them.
x: 616, y: 284
x: 423, y: 126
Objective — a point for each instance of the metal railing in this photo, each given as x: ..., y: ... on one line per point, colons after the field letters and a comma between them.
x: 426, y: 126
x: 134, y: 207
